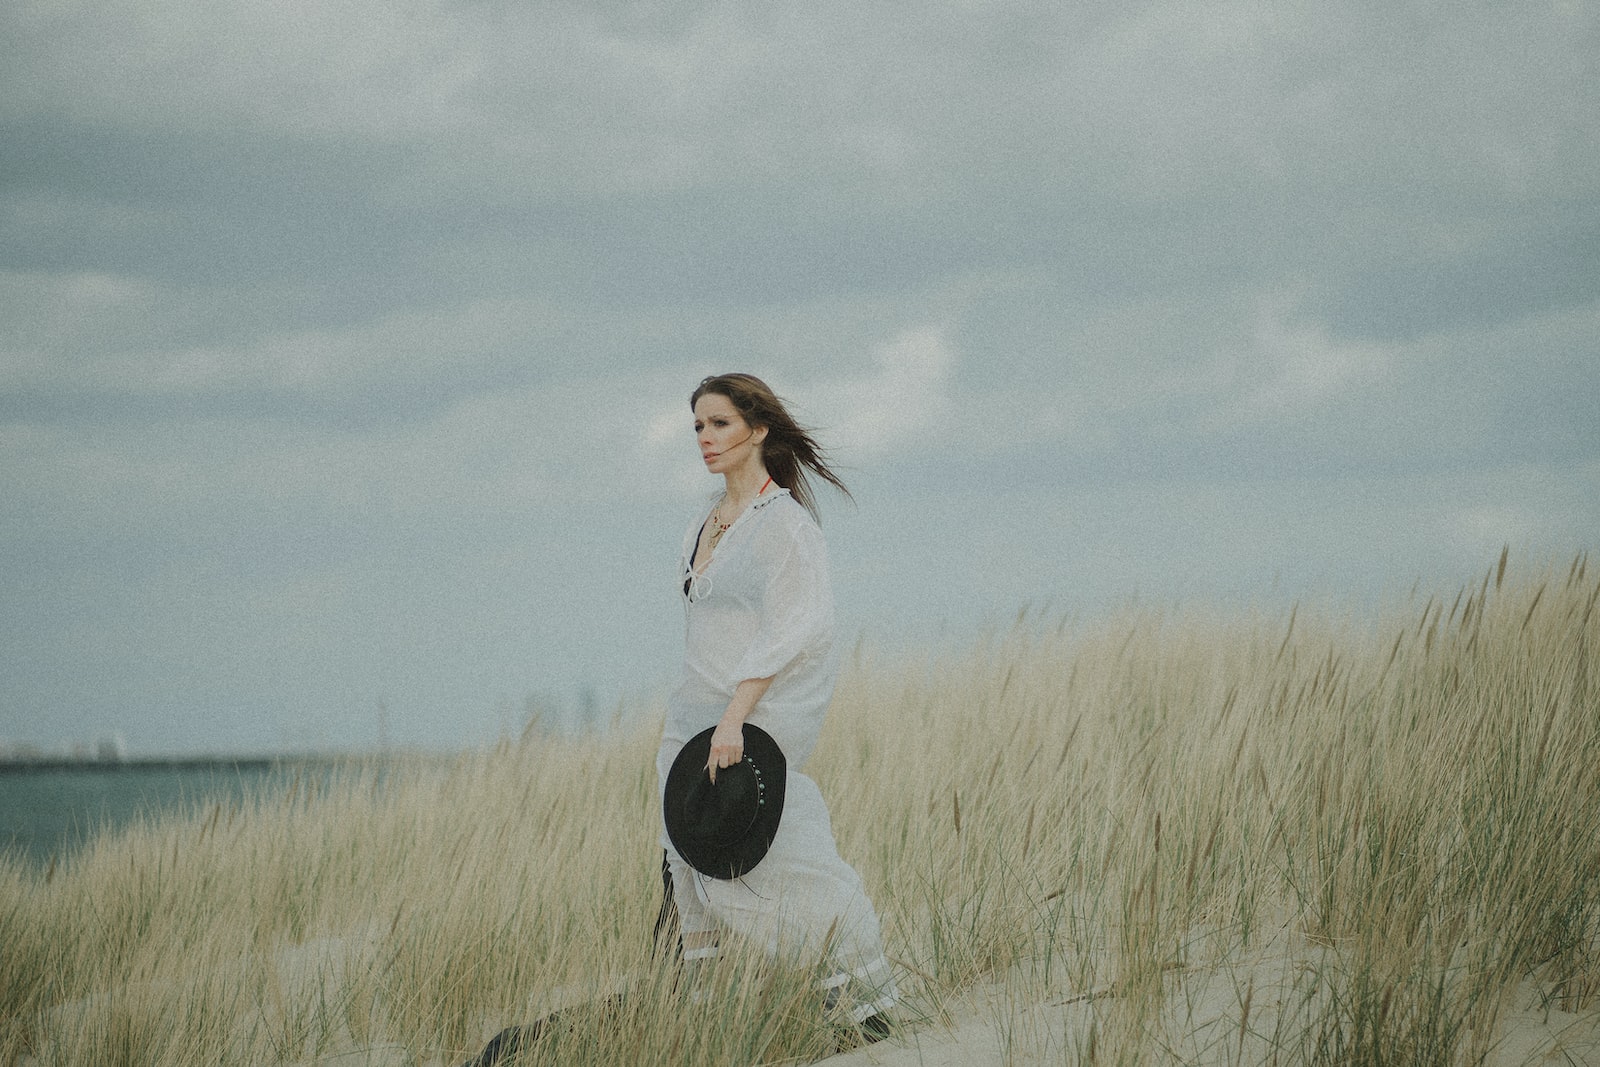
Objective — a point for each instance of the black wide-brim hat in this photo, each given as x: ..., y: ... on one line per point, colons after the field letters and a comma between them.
x: 724, y: 830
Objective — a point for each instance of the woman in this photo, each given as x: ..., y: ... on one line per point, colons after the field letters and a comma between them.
x: 759, y: 609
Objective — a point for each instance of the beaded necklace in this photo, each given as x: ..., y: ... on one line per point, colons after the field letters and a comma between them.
x: 718, y: 527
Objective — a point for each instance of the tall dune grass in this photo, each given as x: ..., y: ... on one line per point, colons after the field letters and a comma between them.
x: 1248, y: 838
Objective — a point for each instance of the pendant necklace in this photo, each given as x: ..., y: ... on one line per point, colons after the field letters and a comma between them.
x: 718, y: 527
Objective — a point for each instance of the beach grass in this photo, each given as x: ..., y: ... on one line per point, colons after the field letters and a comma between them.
x: 1159, y: 837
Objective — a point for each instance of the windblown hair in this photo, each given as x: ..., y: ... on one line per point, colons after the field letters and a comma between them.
x: 789, y: 450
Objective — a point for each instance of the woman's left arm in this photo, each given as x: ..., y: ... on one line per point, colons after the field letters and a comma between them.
x: 727, y: 740
x: 796, y: 620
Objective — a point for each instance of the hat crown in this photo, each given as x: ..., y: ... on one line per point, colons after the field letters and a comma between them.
x: 722, y: 812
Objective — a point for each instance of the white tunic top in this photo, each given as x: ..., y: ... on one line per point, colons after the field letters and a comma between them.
x: 762, y: 607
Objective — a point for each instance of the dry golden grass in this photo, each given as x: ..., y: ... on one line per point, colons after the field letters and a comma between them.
x: 1193, y: 839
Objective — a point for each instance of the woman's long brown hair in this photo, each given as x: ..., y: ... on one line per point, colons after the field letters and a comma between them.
x: 789, y: 450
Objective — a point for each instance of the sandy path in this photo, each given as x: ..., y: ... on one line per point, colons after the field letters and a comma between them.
x: 1200, y: 1023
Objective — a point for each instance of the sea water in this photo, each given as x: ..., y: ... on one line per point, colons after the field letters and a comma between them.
x: 48, y: 811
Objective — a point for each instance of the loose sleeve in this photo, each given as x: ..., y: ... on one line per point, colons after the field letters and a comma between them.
x: 796, y: 619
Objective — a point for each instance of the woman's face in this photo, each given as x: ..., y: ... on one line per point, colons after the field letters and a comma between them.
x: 726, y: 440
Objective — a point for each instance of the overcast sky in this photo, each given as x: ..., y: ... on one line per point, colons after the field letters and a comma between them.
x: 345, y: 345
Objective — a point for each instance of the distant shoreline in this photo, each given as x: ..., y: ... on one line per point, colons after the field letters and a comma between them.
x: 163, y: 763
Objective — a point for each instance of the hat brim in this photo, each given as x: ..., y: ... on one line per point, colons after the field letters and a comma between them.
x: 734, y: 859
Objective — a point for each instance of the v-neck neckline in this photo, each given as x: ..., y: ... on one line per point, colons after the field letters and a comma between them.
x: 761, y: 500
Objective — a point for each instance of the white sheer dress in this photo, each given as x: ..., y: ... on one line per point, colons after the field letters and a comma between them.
x: 763, y: 607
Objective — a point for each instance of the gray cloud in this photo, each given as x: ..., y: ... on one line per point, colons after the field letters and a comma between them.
x: 344, y: 352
